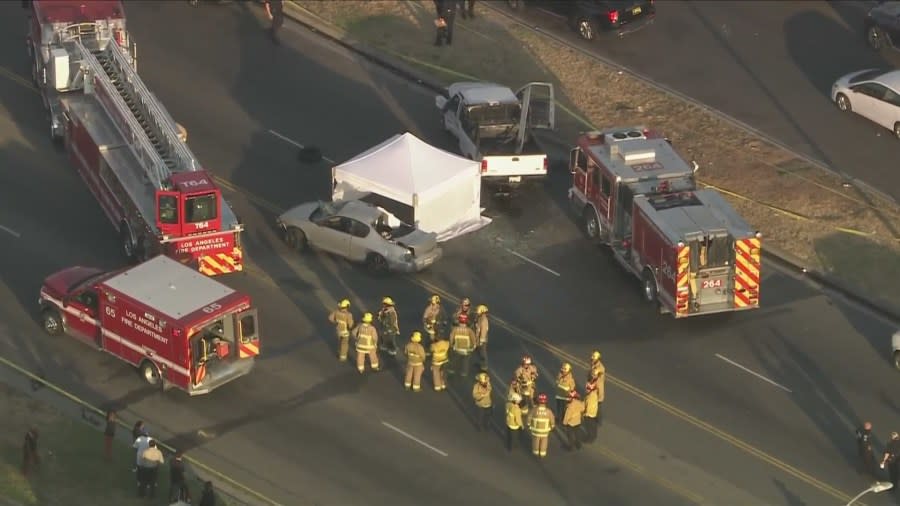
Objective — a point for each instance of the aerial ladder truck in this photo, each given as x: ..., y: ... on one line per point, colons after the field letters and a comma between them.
x: 124, y: 144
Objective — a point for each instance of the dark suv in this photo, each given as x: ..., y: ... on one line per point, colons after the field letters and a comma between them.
x: 883, y: 26
x: 592, y: 17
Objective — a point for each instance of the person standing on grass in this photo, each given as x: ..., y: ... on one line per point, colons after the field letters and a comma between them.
x: 178, y: 490
x: 275, y: 11
x: 148, y: 470
x: 208, y: 498
x: 138, y: 429
x: 30, y: 458
x: 109, y: 433
x: 141, y: 443
x: 446, y: 12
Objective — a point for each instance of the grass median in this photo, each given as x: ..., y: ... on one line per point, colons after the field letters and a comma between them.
x: 72, y: 469
x: 801, y: 209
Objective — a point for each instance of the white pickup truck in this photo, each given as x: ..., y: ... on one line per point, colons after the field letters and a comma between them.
x: 494, y: 126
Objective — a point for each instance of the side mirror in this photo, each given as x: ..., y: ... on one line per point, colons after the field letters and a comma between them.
x: 440, y: 101
x: 695, y: 165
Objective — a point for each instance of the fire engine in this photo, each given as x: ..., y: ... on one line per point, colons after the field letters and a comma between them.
x: 691, y: 250
x: 180, y: 328
x: 123, y: 142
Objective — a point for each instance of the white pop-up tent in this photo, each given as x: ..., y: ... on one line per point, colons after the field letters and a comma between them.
x: 420, y: 184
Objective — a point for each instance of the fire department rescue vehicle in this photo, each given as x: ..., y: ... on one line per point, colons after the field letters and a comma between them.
x: 178, y: 327
x: 693, y: 253
x: 122, y: 140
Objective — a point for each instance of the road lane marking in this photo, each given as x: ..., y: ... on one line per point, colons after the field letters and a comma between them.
x: 18, y: 79
x: 295, y: 143
x: 637, y: 392
x: 758, y: 375
x: 10, y: 231
x: 532, y: 262
x: 414, y: 438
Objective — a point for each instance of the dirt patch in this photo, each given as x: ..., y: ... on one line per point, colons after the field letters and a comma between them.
x: 72, y: 469
x: 800, y: 209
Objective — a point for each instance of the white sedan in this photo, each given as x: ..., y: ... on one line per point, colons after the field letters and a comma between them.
x: 873, y: 94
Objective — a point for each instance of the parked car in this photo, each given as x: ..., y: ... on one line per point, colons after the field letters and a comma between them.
x: 873, y: 94
x: 359, y: 232
x: 591, y: 18
x: 895, y: 347
x: 882, y: 26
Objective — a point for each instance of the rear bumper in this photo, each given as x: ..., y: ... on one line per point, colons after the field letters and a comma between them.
x: 418, y: 263
x: 218, y: 376
x: 631, y: 26
x: 511, y: 181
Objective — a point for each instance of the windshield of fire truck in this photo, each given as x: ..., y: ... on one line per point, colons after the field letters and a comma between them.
x: 199, y: 208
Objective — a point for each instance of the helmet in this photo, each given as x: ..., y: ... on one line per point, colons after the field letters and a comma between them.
x: 416, y: 337
x: 542, y: 399
x: 573, y: 394
x: 463, y: 318
x: 566, y: 367
x: 596, y: 355
x: 387, y: 301
x: 466, y: 301
x: 344, y: 304
x: 367, y: 318
x: 482, y: 309
x: 526, y: 360
x: 482, y: 377
x: 515, y: 397
x: 435, y: 299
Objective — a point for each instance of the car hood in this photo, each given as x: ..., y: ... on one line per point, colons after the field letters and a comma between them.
x: 299, y: 213
x: 420, y: 242
x: 61, y: 282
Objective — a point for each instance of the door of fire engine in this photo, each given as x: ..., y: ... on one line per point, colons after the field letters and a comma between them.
x: 624, y: 199
x: 82, y: 315
x: 711, y: 260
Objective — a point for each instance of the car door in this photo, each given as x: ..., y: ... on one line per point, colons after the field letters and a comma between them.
x: 538, y: 109
x: 332, y: 235
x: 82, y: 315
x: 891, y: 107
x: 451, y: 115
x: 362, y: 240
x: 864, y: 101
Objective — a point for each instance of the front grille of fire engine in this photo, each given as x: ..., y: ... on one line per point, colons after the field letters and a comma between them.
x: 135, y: 109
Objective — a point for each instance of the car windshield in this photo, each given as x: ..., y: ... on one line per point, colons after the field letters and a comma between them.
x: 324, y: 210
x: 867, y: 75
x: 500, y: 114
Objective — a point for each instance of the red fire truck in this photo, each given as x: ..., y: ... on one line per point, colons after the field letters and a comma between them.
x: 178, y: 327
x: 693, y: 253
x: 122, y: 140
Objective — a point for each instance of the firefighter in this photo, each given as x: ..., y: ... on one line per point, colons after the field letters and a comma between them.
x: 891, y: 458
x: 600, y: 372
x: 513, y: 419
x: 464, y: 308
x: 462, y: 343
x: 595, y: 362
x: 366, y: 337
x: 440, y: 350
x: 434, y: 319
x: 342, y: 319
x: 541, y: 423
x: 572, y: 420
x: 390, y: 328
x: 481, y: 394
x: 591, y: 408
x: 865, y: 450
x: 415, y: 362
x: 526, y: 376
x: 565, y: 383
x: 482, y: 326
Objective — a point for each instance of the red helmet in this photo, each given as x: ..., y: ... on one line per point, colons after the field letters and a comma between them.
x: 463, y: 318
x: 542, y: 399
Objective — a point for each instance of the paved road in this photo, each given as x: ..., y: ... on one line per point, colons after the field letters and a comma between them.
x: 301, y: 428
x: 769, y: 64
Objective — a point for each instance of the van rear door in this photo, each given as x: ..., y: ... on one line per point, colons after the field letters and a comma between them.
x: 246, y: 325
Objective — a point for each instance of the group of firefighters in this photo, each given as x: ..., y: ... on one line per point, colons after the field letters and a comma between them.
x: 451, y: 349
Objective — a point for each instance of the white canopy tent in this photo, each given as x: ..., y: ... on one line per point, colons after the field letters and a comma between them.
x: 441, y: 192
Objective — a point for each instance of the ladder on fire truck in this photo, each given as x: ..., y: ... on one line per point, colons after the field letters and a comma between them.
x: 146, y: 126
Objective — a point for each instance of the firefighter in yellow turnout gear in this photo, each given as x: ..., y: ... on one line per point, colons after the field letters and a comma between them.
x: 481, y: 394
x: 390, y: 328
x: 513, y: 419
x: 565, y: 383
x: 541, y: 423
x: 366, y: 344
x: 415, y: 362
x: 525, y: 377
x: 462, y: 342
x: 598, y: 373
x: 440, y: 355
x: 482, y: 327
x: 464, y: 308
x: 433, y: 318
x: 342, y: 319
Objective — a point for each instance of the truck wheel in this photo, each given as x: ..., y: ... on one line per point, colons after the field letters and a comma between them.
x: 52, y: 322
x: 295, y: 239
x: 376, y: 264
x: 875, y: 38
x: 591, y: 224
x: 897, y: 360
x: 650, y: 292
x: 150, y: 373
x: 127, y: 242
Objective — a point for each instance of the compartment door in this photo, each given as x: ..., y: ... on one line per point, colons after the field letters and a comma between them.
x: 246, y: 326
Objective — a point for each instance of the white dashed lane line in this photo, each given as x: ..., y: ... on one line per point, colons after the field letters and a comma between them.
x: 758, y: 375
x: 532, y: 262
x: 10, y: 231
x: 295, y: 143
x: 414, y: 438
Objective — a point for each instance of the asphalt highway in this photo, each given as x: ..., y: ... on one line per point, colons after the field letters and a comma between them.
x: 768, y: 64
x: 685, y: 422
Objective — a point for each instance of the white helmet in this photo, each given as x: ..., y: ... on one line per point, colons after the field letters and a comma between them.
x: 514, y: 397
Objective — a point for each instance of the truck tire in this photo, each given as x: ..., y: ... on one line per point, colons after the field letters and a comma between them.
x: 150, y: 373
x: 296, y: 239
x: 897, y: 360
x: 591, y: 224
x: 651, y: 293
x: 128, y: 246
x: 52, y: 322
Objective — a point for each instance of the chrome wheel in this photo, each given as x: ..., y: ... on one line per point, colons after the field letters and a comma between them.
x: 873, y: 36
x: 150, y: 373
x: 591, y: 225
x: 51, y: 322
x: 843, y: 103
x: 585, y: 29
